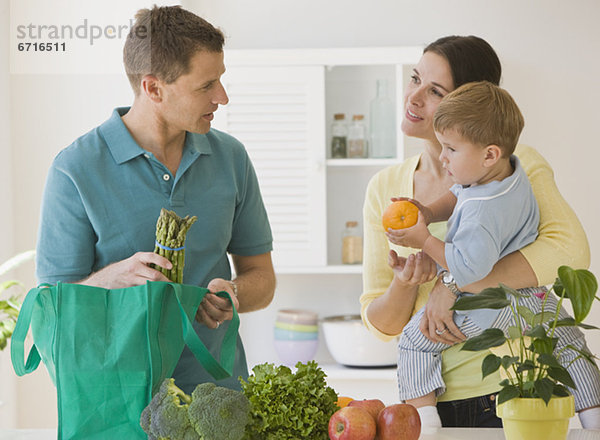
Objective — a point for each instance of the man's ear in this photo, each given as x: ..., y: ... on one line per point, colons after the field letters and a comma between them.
x: 151, y: 86
x: 492, y: 154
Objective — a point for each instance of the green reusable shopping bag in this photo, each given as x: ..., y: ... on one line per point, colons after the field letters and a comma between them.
x: 107, y: 350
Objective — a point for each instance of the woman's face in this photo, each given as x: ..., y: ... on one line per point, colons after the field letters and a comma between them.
x: 430, y: 82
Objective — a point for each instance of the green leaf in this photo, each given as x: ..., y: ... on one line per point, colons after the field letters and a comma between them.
x: 525, y: 313
x: 570, y: 322
x: 543, y: 389
x: 507, y: 393
x: 536, y: 332
x: 527, y: 365
x: 560, y: 391
x: 580, y: 287
x: 544, y: 345
x: 8, y: 284
x: 549, y: 360
x: 584, y: 353
x: 507, y: 361
x: 491, y: 298
x: 490, y: 364
x: 542, y: 317
x: 528, y: 386
x: 514, y: 332
x: 562, y: 375
x: 490, y: 337
x: 512, y: 291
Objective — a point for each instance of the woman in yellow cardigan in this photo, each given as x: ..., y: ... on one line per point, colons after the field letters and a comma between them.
x: 390, y: 297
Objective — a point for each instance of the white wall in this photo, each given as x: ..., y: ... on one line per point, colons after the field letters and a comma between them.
x: 549, y: 50
x: 46, y: 113
x: 7, y: 386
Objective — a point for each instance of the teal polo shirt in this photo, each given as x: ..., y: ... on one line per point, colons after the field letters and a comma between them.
x: 104, y: 193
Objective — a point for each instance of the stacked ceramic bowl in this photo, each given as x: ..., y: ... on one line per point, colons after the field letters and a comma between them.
x: 296, y: 335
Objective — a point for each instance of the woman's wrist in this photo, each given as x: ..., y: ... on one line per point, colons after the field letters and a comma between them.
x: 402, y: 287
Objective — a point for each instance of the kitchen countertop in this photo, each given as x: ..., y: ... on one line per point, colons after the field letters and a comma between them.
x: 434, y: 434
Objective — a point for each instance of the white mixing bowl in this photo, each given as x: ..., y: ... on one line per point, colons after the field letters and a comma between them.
x: 351, y: 344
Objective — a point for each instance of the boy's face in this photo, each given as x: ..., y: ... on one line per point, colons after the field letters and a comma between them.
x: 464, y: 161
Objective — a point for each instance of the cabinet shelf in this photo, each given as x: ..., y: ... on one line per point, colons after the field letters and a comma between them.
x: 340, y: 269
x: 361, y: 162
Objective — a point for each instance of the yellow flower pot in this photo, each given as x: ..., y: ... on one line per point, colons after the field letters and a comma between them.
x: 526, y: 419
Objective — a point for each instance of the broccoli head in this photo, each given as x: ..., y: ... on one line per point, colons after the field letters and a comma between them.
x: 166, y: 416
x: 218, y: 413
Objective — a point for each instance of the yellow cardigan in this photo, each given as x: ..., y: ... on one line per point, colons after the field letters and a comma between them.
x: 561, y: 241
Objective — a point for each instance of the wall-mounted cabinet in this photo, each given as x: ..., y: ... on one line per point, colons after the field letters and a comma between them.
x: 281, y: 107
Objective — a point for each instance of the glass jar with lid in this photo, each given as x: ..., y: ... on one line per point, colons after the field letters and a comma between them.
x: 339, y: 135
x: 357, y: 137
x: 352, y: 247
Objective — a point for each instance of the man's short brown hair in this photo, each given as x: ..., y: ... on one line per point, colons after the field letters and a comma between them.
x: 482, y: 113
x: 162, y: 41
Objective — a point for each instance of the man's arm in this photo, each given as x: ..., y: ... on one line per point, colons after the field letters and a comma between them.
x: 255, y: 285
x: 255, y: 281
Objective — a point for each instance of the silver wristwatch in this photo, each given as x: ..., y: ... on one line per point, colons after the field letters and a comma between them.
x: 448, y: 281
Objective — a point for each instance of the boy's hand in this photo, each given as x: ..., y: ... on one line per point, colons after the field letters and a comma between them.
x: 427, y: 214
x: 413, y: 237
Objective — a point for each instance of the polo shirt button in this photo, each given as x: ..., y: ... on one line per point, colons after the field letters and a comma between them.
x: 146, y: 155
x: 166, y: 177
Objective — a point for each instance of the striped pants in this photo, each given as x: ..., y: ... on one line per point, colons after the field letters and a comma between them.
x: 420, y: 360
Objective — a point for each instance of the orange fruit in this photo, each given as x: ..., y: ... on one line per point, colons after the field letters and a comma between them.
x: 399, y: 215
x: 343, y: 401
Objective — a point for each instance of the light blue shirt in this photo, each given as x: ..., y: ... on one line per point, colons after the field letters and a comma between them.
x: 488, y: 222
x: 104, y: 194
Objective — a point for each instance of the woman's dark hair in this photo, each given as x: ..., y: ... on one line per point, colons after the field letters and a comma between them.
x: 471, y: 59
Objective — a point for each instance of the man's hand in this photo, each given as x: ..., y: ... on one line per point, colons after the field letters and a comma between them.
x: 214, y: 310
x: 437, y: 323
x: 132, y: 271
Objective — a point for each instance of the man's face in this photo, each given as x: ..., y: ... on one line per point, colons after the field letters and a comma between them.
x: 189, y: 102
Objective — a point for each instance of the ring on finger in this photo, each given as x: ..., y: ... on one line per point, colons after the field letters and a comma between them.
x: 218, y: 324
x: 441, y: 332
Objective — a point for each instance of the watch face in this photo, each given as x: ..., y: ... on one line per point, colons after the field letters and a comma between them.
x: 448, y: 278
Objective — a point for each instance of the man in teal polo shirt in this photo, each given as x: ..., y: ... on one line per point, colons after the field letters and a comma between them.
x: 104, y: 192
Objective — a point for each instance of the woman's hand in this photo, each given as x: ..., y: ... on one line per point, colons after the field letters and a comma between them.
x: 214, y: 310
x: 416, y: 269
x: 437, y: 323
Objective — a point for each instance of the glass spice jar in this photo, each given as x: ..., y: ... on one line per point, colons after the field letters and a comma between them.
x: 357, y: 137
x: 339, y: 135
x: 352, y: 247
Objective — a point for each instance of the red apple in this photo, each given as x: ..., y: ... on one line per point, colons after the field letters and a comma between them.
x: 352, y: 423
x: 398, y: 422
x: 373, y: 406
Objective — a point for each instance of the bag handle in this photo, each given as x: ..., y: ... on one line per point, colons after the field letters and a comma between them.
x: 218, y: 370
x: 17, y: 345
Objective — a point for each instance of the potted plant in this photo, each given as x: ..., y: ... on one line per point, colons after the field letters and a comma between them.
x: 534, y: 382
x: 10, y: 304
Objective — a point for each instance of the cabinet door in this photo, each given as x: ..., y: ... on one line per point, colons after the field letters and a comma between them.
x: 278, y: 113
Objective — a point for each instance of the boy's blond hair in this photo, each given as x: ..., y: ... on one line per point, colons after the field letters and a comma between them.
x: 482, y: 113
x: 162, y: 42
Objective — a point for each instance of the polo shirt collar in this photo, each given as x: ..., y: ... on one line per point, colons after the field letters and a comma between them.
x: 123, y: 147
x: 121, y: 144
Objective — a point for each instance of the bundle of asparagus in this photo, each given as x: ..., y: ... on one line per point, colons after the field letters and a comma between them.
x: 170, y: 241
